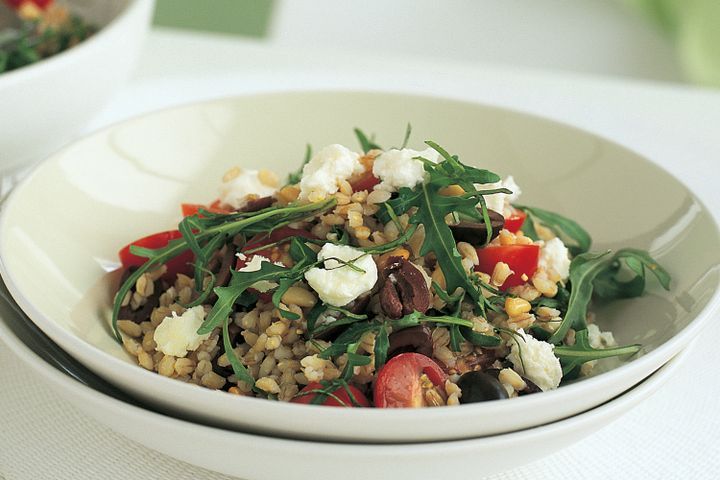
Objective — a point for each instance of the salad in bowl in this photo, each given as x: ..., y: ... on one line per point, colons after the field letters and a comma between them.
x: 381, y: 277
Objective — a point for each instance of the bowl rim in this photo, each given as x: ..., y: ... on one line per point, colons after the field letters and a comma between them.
x: 56, y: 61
x: 648, y: 386
x: 642, y: 364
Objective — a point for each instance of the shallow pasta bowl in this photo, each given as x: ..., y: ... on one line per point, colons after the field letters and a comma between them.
x: 61, y: 229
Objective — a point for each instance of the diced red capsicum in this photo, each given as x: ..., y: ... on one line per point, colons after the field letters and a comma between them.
x: 515, y: 221
x: 365, y: 181
x: 189, y: 209
x: 399, y: 381
x: 180, y: 264
x: 337, y: 398
x: 522, y: 259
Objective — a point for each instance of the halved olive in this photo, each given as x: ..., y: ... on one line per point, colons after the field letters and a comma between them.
x: 480, y: 387
x: 476, y: 233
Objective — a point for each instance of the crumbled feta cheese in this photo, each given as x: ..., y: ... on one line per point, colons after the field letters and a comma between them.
x: 397, y: 168
x: 177, y: 335
x: 500, y: 202
x: 338, y: 284
x: 535, y: 360
x: 254, y: 265
x: 600, y: 339
x: 325, y: 171
x: 238, y: 189
x: 554, y: 257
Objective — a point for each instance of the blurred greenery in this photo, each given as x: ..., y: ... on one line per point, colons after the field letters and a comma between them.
x: 237, y: 17
x: 695, y: 28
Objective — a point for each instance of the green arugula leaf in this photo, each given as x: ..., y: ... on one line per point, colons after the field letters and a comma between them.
x: 588, y: 268
x: 382, y: 344
x: 576, y: 237
x: 583, y: 270
x: 439, y: 239
x: 301, y: 253
x: 353, y: 360
x: 239, y: 369
x: 571, y: 357
x: 480, y: 339
x: 283, y: 285
x: 295, y: 177
x: 366, y: 143
x: 408, y: 131
x: 609, y: 285
x: 240, y: 282
x: 312, y: 317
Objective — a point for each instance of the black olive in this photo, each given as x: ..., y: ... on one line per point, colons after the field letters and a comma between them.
x: 480, y: 387
x: 476, y: 233
x: 414, y: 339
x: 530, y: 386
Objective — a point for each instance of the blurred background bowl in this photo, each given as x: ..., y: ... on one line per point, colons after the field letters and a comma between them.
x: 47, y: 103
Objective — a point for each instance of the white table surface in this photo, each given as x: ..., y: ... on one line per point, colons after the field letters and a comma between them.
x: 674, y: 434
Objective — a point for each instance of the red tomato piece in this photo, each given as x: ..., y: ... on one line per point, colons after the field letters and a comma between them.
x: 179, y: 264
x: 398, y: 382
x: 365, y: 181
x: 42, y: 4
x: 522, y: 259
x: 308, y: 393
x: 515, y: 221
x: 189, y: 209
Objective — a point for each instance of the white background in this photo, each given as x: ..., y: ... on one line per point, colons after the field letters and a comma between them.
x: 672, y: 435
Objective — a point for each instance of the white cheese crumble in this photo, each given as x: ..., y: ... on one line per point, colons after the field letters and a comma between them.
x: 600, y: 339
x: 254, y: 265
x: 535, y: 360
x: 397, y: 168
x: 236, y: 191
x: 322, y: 175
x: 177, y: 335
x: 555, y: 257
x: 500, y: 202
x: 338, y: 284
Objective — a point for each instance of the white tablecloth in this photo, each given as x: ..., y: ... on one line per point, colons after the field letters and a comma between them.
x: 675, y: 434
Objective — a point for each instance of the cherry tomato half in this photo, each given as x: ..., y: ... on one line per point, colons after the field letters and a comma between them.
x: 179, y: 264
x: 337, y: 398
x: 189, y: 209
x: 398, y: 381
x: 515, y: 221
x: 522, y: 259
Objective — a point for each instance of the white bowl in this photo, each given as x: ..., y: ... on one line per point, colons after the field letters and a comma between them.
x: 257, y: 457
x: 61, y: 229
x: 45, y: 104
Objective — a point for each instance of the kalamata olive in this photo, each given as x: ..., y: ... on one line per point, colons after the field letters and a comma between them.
x: 476, y: 233
x: 530, y: 388
x: 480, y: 387
x: 414, y: 339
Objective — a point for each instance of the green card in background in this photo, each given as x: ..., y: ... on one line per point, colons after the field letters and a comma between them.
x: 237, y: 17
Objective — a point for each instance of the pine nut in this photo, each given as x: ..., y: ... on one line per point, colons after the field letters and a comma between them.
x: 299, y: 296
